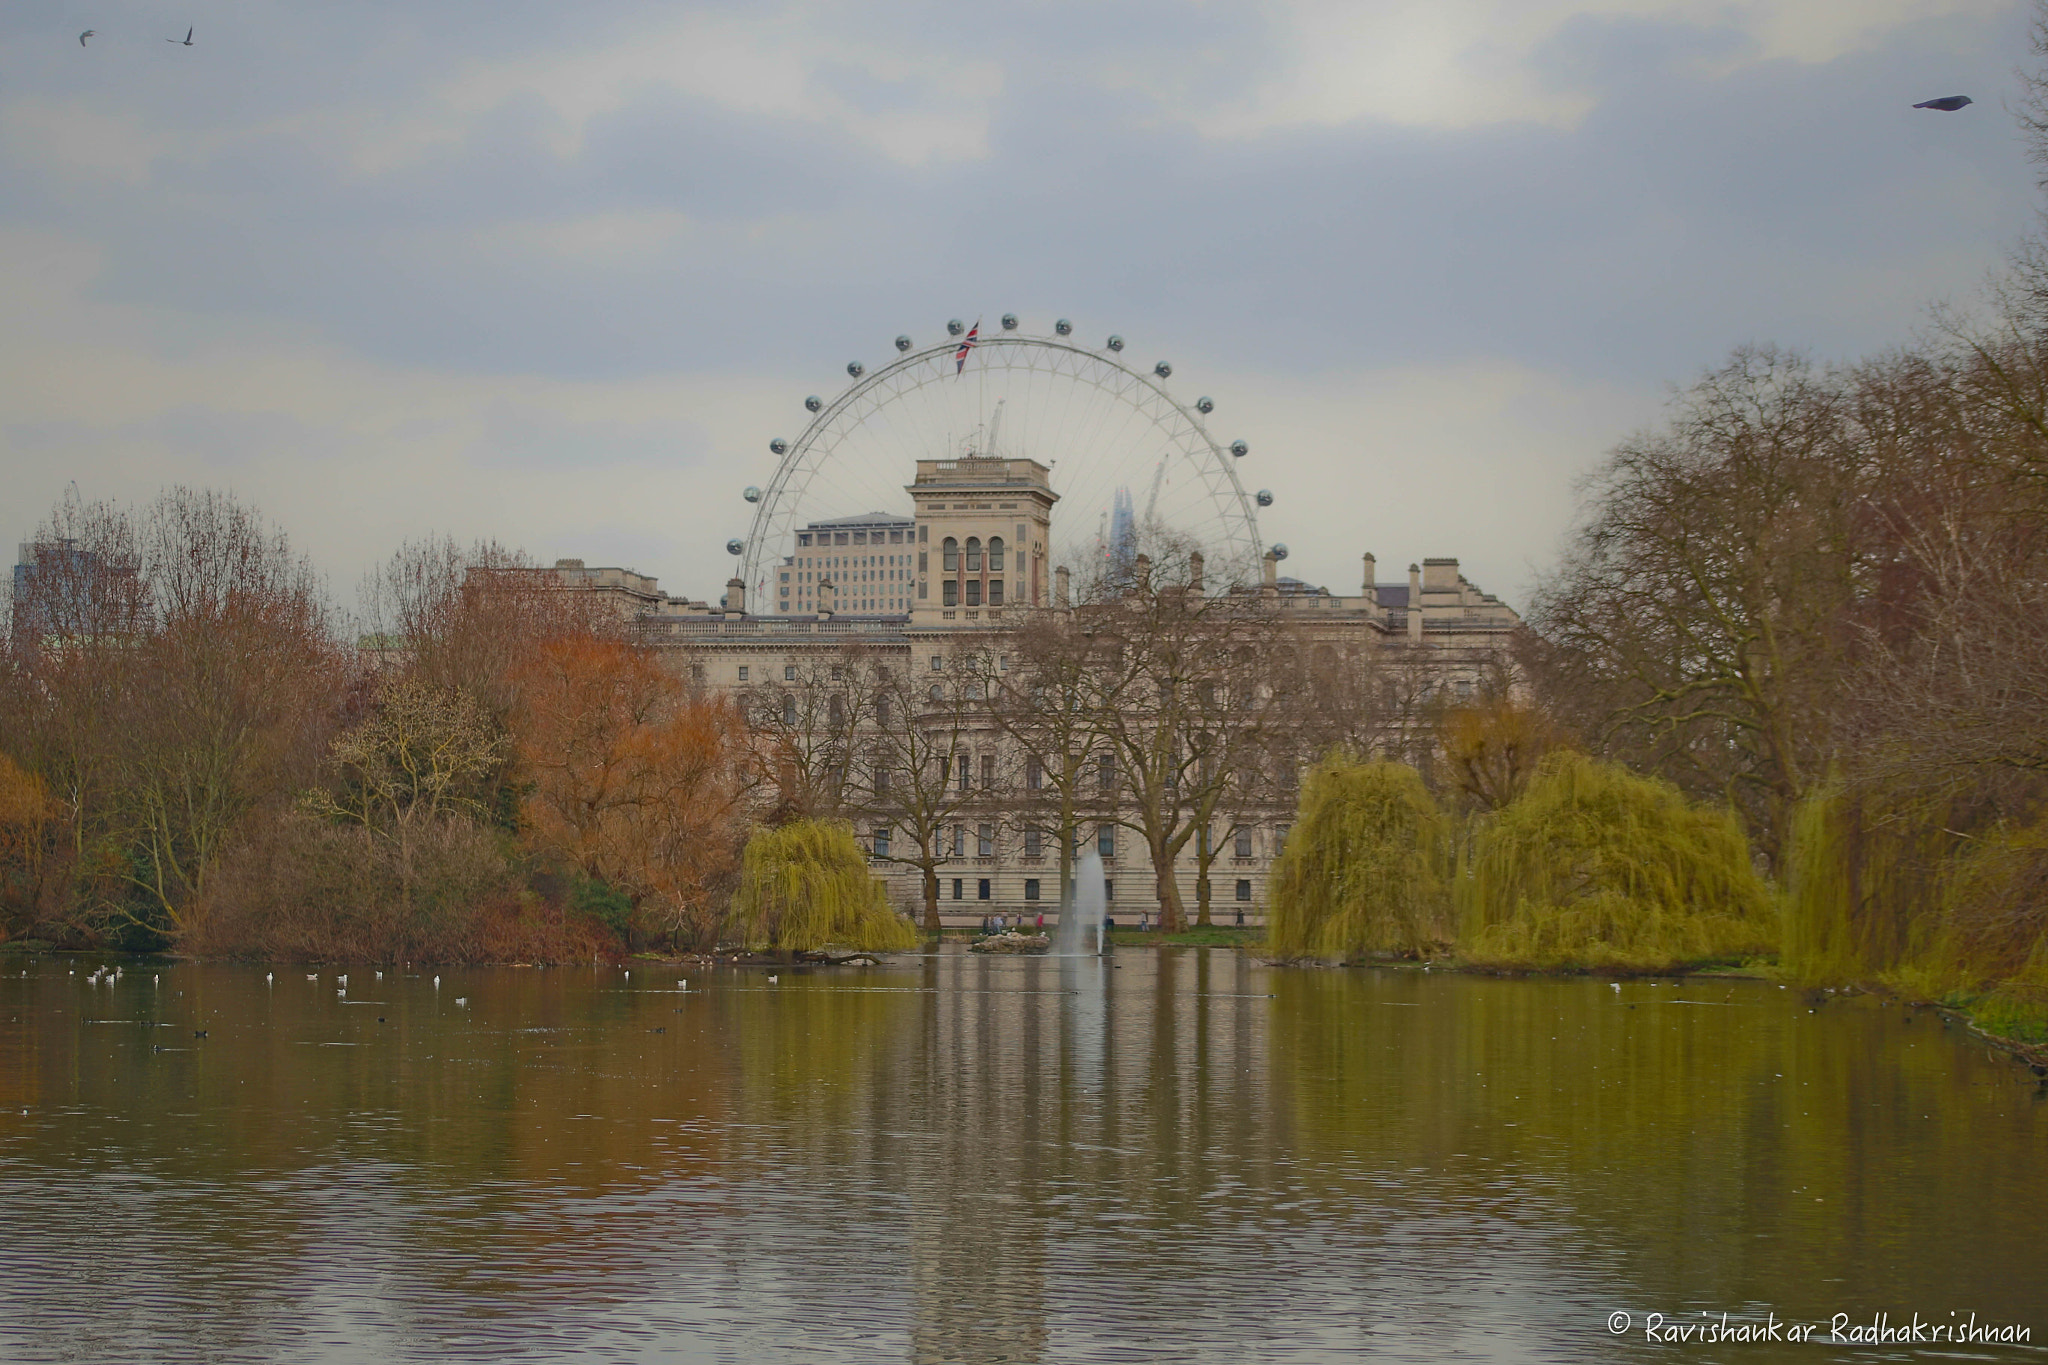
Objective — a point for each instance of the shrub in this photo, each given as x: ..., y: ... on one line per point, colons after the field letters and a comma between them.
x: 1595, y: 868
x: 1363, y: 868
x: 302, y: 888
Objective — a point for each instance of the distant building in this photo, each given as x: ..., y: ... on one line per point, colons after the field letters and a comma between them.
x: 61, y: 592
x: 973, y: 557
x: 855, y: 564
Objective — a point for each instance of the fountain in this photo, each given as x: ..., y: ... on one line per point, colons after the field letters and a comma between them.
x: 1084, y: 911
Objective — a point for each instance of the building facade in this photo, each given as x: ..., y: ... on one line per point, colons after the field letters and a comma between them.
x: 965, y: 568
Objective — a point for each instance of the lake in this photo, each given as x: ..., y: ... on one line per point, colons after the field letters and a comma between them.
x: 1173, y: 1154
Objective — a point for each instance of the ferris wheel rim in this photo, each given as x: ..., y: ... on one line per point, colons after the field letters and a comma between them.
x: 759, y: 560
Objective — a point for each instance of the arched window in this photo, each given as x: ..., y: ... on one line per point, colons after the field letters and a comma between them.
x: 788, y: 710
x: 995, y: 554
x: 974, y: 554
x: 949, y: 555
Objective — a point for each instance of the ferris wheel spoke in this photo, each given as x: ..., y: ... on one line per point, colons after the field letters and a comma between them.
x: 1098, y: 423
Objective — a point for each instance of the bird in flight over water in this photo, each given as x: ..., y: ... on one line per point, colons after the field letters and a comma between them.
x: 187, y: 40
x: 1948, y: 104
x: 89, y: 33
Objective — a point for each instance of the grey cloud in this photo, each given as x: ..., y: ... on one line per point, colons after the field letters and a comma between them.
x: 1688, y: 210
x: 517, y: 435
x: 1744, y: 204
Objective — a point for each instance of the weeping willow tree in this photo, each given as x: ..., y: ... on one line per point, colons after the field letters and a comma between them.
x: 1595, y: 868
x: 1991, y: 943
x: 805, y: 886
x: 1363, y: 870
x: 1864, y: 865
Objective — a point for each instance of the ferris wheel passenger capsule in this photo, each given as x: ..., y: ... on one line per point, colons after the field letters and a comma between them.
x: 779, y: 446
x: 955, y: 327
x: 1279, y: 549
x: 752, y: 494
x: 733, y: 547
x: 1240, y: 449
x: 902, y: 343
x: 1162, y: 369
x: 1116, y: 343
x: 1205, y: 405
x: 855, y: 368
x: 813, y: 403
x: 1264, y: 496
x: 1063, y: 327
x: 1009, y: 322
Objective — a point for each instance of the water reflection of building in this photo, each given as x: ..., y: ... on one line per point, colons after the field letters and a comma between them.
x: 969, y: 563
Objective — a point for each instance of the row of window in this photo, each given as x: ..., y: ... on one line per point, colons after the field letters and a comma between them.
x: 1035, y: 841
x: 982, y: 889
x: 950, y: 592
x: 805, y: 539
x: 950, y: 550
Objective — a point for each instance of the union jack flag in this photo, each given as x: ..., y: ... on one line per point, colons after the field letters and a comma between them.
x: 960, y: 356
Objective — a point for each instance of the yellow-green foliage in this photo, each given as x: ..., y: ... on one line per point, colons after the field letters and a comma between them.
x: 1598, y: 869
x: 805, y: 886
x: 1860, y: 868
x: 1885, y: 888
x: 1363, y: 868
x: 1987, y: 948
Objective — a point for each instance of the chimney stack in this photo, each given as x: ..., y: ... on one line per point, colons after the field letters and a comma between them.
x: 736, y: 596
x: 1271, y: 587
x: 1415, y: 602
x: 1060, y: 582
x: 1195, y: 573
x: 1372, y: 590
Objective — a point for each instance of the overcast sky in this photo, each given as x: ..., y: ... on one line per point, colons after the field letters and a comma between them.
x: 554, y: 274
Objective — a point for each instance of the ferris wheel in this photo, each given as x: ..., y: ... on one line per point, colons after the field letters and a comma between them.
x: 1124, y: 453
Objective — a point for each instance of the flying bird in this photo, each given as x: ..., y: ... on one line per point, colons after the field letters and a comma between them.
x: 187, y: 42
x: 89, y: 33
x: 1948, y: 104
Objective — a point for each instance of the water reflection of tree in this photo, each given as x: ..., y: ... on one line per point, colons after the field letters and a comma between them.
x: 1739, y: 1149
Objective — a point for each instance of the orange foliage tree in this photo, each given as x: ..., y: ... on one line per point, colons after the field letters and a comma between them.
x: 633, y: 779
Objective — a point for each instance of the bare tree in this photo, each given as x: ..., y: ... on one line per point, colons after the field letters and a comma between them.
x: 1051, y: 705
x: 1698, y: 625
x: 424, y: 754
x: 220, y: 713
x: 916, y: 776
x: 809, y: 724
x: 71, y: 658
x: 1200, y: 706
x: 178, y: 671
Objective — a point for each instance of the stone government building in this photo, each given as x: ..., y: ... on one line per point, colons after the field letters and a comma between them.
x: 974, y: 556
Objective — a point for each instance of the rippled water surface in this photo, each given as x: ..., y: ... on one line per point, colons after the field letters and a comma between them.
x: 1171, y: 1155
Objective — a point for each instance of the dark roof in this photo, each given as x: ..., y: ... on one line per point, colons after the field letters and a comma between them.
x: 1392, y: 594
